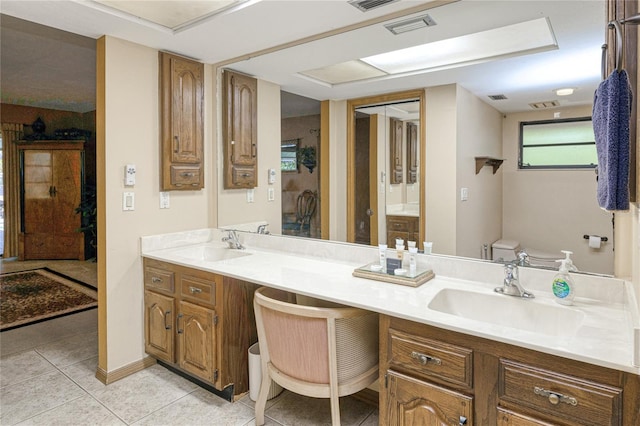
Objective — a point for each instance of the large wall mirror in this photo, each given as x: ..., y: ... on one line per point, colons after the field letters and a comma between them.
x: 466, y: 111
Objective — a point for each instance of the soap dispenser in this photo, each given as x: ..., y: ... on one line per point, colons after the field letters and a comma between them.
x: 562, y: 285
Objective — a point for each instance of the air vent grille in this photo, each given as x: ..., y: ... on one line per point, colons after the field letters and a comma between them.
x: 544, y: 104
x: 497, y: 97
x: 410, y: 24
x: 366, y: 5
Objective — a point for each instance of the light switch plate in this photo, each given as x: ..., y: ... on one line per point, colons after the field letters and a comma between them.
x: 164, y: 200
x: 271, y: 194
x: 128, y: 201
x: 130, y: 175
x: 464, y: 194
x: 250, y: 195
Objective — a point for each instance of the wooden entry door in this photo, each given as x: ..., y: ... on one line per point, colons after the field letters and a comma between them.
x: 51, y: 185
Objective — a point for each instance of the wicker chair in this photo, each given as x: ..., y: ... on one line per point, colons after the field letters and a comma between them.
x: 321, y: 352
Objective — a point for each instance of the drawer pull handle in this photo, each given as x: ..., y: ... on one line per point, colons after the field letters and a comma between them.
x: 555, y: 397
x: 246, y: 175
x: 187, y: 174
x: 156, y: 280
x: 425, y: 359
x: 195, y: 290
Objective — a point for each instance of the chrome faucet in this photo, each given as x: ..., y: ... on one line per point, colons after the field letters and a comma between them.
x: 233, y: 240
x: 523, y: 259
x: 262, y: 229
x: 511, y: 285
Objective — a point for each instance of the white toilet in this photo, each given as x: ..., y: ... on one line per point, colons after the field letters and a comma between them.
x: 508, y: 250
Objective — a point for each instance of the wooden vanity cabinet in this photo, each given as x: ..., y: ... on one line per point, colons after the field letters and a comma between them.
x: 200, y: 323
x: 182, y: 123
x: 435, y: 376
x: 240, y: 131
x: 405, y: 227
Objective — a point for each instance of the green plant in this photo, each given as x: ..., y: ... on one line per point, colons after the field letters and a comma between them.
x: 88, y: 210
x: 307, y: 157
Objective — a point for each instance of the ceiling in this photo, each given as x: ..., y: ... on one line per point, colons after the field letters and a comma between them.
x: 277, y: 40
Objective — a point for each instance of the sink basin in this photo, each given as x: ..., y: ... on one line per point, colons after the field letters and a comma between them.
x: 507, y: 311
x: 209, y: 253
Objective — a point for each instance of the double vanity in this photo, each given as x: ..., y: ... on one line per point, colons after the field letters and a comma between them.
x: 451, y: 350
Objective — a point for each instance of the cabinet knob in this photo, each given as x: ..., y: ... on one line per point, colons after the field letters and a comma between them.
x: 425, y: 359
x: 554, y: 397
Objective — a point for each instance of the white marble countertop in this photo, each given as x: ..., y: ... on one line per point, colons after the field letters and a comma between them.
x: 605, y: 335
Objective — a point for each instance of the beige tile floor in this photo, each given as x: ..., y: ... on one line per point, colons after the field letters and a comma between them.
x: 47, y: 377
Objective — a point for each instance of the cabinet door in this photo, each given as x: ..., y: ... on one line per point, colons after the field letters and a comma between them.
x: 508, y: 418
x: 412, y: 153
x: 412, y: 402
x: 197, y: 340
x: 396, y: 150
x: 158, y: 326
x: 240, y: 133
x: 182, y: 93
x: 52, y: 190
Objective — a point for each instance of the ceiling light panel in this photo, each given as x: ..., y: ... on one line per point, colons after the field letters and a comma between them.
x: 170, y: 14
x: 526, y: 37
x: 344, y: 72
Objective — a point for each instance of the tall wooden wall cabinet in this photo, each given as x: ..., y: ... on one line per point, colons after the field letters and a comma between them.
x: 182, y: 115
x: 240, y: 130
x: 395, y: 150
x: 51, y: 181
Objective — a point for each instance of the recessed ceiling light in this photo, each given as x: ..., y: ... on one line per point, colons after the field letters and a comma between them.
x: 564, y: 92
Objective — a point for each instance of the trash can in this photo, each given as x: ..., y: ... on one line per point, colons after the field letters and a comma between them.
x: 255, y: 375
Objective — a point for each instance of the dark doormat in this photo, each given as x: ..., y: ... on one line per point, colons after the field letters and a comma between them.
x: 28, y: 297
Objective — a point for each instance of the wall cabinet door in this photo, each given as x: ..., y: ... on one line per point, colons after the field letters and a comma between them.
x: 158, y: 326
x: 182, y: 97
x: 412, y: 402
x: 196, y: 340
x: 412, y: 153
x: 395, y: 149
x: 51, y: 192
x: 240, y: 131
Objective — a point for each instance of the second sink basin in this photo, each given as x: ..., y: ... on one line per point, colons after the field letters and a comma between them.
x: 208, y: 253
x: 507, y: 311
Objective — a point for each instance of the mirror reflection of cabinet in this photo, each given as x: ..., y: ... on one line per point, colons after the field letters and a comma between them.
x: 412, y: 153
x: 395, y: 150
x: 240, y: 131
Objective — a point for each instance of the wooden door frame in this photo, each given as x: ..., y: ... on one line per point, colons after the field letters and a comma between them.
x: 352, y: 105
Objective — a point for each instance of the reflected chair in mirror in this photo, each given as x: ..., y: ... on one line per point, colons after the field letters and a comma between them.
x: 322, y: 351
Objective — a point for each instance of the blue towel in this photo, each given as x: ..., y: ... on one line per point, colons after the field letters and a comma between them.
x: 611, y: 115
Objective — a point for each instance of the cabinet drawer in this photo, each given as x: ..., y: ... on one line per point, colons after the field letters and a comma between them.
x: 397, y: 224
x: 559, y: 395
x: 198, y: 289
x: 431, y: 359
x: 244, y: 177
x: 159, y: 279
x: 185, y: 175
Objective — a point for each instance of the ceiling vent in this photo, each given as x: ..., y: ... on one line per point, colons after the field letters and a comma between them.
x: 410, y: 24
x: 366, y: 5
x: 545, y: 104
x: 498, y: 97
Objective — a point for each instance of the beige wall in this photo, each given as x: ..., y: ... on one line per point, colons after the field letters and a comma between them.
x: 479, y: 133
x: 132, y: 136
x: 338, y: 178
x: 440, y: 179
x: 551, y: 210
x: 233, y: 207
